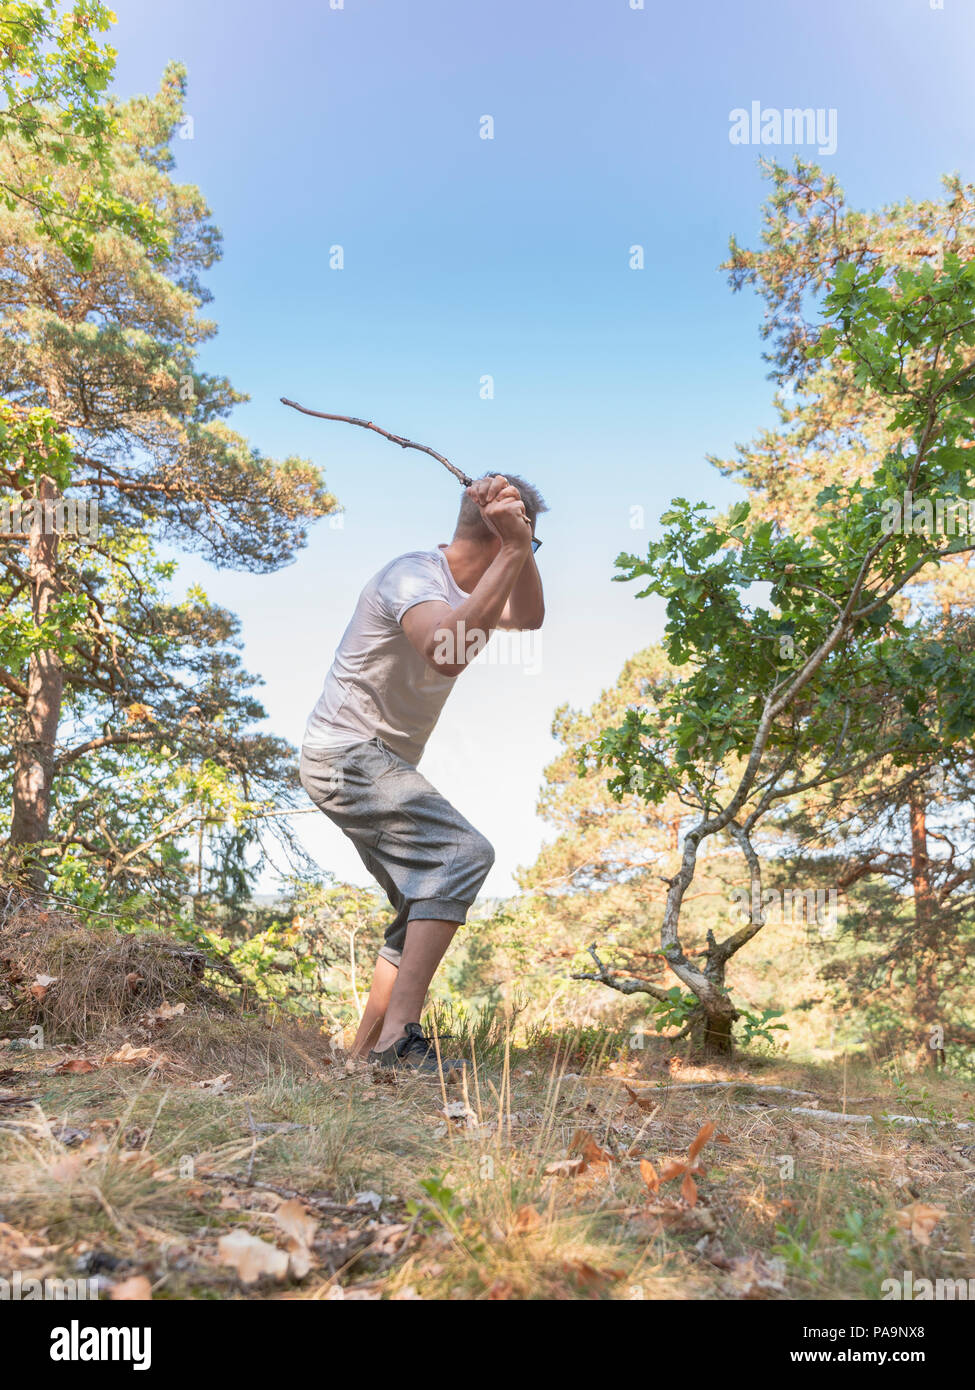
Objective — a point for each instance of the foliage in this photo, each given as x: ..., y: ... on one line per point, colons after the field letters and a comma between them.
x: 54, y: 72
x: 161, y: 780
x: 305, y: 956
x: 777, y: 700
x: 894, y: 838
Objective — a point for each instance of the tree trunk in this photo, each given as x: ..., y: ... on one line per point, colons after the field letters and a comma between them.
x: 37, y: 735
x: 927, y: 987
x: 713, y: 1036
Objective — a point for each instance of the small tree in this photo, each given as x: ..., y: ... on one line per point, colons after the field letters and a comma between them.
x: 778, y: 700
x: 601, y: 882
x: 898, y: 838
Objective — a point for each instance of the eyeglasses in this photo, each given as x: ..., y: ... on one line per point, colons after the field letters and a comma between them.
x: 535, y: 544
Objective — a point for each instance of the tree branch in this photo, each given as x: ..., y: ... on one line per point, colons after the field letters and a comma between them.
x: 626, y: 985
x: 462, y: 478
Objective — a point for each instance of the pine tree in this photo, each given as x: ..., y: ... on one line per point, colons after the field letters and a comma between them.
x: 97, y: 661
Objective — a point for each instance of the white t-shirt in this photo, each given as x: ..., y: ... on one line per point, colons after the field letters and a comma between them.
x: 379, y: 685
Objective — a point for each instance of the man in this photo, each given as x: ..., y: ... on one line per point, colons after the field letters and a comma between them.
x: 417, y: 626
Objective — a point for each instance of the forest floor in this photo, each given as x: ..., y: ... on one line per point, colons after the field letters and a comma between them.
x: 186, y: 1153
x: 331, y: 1181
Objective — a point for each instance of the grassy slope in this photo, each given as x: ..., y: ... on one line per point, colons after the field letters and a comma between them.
x: 118, y: 1168
x: 531, y: 1186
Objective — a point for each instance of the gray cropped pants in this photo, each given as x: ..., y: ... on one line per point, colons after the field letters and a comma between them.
x: 426, y: 857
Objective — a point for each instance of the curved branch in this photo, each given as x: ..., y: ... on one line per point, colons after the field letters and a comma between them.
x: 462, y: 478
x: 625, y: 985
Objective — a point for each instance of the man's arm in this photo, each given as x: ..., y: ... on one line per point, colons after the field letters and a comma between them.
x: 525, y: 608
x: 448, y: 638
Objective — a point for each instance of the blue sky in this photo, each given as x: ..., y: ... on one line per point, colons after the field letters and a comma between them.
x: 464, y: 257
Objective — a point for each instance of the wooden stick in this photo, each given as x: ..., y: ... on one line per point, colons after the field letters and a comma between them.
x: 872, y: 1119
x: 649, y: 1091
x: 462, y: 478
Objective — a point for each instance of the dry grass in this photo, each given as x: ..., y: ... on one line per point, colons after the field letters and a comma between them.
x: 116, y: 1162
x: 142, y: 1172
x: 105, y: 978
x: 110, y: 987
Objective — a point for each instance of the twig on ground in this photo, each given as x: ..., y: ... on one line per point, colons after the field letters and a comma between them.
x: 836, y: 1115
x: 726, y: 1086
x: 253, y: 1152
x: 289, y: 1194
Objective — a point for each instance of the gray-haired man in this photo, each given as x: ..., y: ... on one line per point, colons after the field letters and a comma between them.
x: 418, y: 624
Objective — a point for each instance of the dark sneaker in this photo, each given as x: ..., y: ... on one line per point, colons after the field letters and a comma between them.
x: 414, y: 1052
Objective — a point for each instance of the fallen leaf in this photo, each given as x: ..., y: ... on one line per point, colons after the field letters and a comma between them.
x: 66, y: 1168
x: 167, y: 1011
x: 565, y: 1167
x: 526, y: 1219
x: 756, y: 1277
x: 16, y: 1248
x: 588, y: 1275
x: 96, y: 1143
x: 649, y: 1175
x: 644, y: 1102
x: 128, y: 1053
x: 250, y: 1257
x: 138, y: 1159
x: 500, y: 1291
x: 297, y: 1221
x: 134, y: 1290
x: 680, y: 1168
x: 300, y: 1259
x: 700, y: 1139
x: 77, y: 1066
x: 216, y: 1085
x: 920, y: 1219
x: 367, y: 1199
x: 389, y: 1239
x: 68, y: 1135
x: 709, y: 1247
x: 582, y: 1142
x: 337, y: 1294
x: 673, y: 1216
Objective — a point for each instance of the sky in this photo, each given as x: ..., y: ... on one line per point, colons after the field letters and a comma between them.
x: 487, y: 305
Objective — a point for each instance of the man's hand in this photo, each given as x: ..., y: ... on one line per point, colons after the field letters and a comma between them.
x: 503, y: 510
x: 448, y: 638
